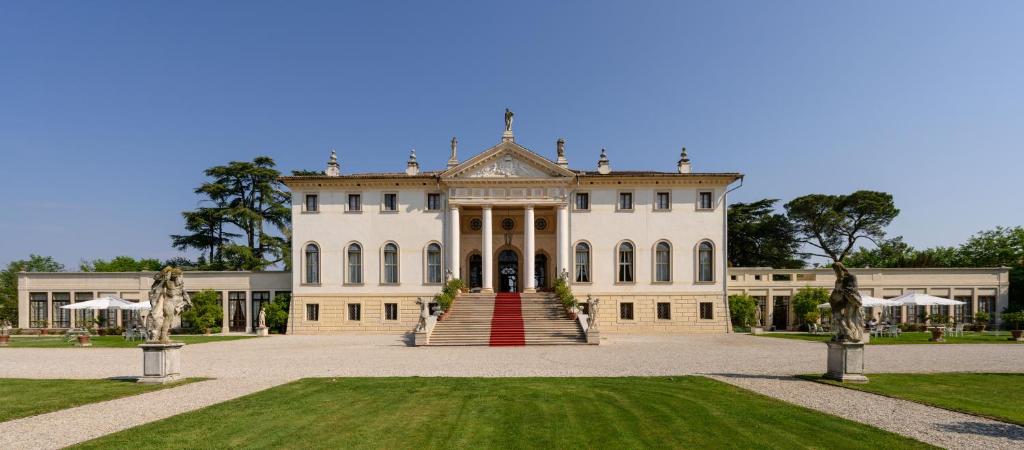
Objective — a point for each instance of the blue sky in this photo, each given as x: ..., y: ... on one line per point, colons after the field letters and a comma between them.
x: 109, y: 111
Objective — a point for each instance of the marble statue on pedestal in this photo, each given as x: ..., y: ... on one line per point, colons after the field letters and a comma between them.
x: 167, y: 298
x: 508, y: 120
x: 424, y: 314
x: 261, y: 319
x: 847, y: 318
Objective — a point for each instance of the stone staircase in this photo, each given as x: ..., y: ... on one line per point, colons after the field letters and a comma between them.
x: 470, y: 322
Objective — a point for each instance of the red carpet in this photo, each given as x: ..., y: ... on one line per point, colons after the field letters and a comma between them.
x: 507, y: 322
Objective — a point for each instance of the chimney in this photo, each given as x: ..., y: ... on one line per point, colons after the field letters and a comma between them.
x: 412, y: 167
x: 560, y: 147
x: 684, y: 162
x: 333, y: 168
x: 603, y: 167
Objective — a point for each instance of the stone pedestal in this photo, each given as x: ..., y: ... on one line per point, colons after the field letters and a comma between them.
x: 594, y: 337
x: 846, y: 362
x: 757, y: 331
x: 421, y: 338
x: 161, y: 363
x: 263, y: 331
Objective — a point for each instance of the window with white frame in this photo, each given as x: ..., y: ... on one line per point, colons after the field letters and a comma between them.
x: 312, y: 257
x: 312, y: 203
x: 705, y: 262
x: 704, y: 200
x: 662, y: 201
x: 354, y: 261
x: 433, y: 201
x: 625, y: 202
x: 355, y: 202
x: 662, y: 262
x: 37, y: 310
x: 582, y: 262
x: 390, y: 263
x: 582, y: 201
x: 625, y: 263
x: 434, y: 275
x: 390, y: 202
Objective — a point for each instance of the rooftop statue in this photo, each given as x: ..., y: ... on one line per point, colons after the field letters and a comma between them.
x: 508, y: 120
x: 167, y: 298
x: 847, y: 319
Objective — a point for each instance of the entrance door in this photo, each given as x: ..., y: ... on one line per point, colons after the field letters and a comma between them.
x: 540, y: 271
x: 780, y: 312
x: 236, y: 311
x: 475, y: 271
x: 508, y: 271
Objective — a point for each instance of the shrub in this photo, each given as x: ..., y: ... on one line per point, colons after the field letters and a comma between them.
x: 564, y: 293
x: 1015, y: 320
x: 448, y: 293
x: 204, y: 312
x: 277, y: 313
x: 741, y: 310
x: 981, y: 318
x: 812, y: 317
x: 939, y: 319
x: 807, y: 300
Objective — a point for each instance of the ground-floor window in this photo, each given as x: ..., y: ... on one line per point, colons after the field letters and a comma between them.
x: 107, y: 318
x: 61, y: 317
x: 391, y: 311
x: 626, y: 311
x: 313, y: 312
x: 942, y: 310
x: 664, y: 311
x: 260, y: 299
x: 37, y: 310
x: 355, y: 311
x: 780, y: 312
x: 82, y: 316
x: 707, y: 310
x: 987, y: 304
x: 236, y: 311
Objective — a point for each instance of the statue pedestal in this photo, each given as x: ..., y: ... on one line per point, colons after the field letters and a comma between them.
x: 263, y: 331
x: 161, y: 363
x: 507, y: 137
x: 421, y: 338
x: 846, y: 362
x: 594, y: 337
x: 757, y: 331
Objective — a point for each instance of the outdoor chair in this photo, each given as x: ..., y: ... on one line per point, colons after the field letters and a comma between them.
x: 958, y: 330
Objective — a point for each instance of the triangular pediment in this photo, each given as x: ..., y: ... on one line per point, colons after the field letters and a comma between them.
x: 507, y: 160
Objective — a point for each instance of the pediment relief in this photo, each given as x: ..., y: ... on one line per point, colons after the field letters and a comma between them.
x: 507, y: 161
x: 506, y: 166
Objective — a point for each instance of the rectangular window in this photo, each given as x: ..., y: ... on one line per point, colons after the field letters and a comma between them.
x: 963, y: 313
x: 704, y: 200
x: 625, y: 201
x: 355, y: 202
x: 355, y: 311
x: 82, y: 315
x: 662, y: 201
x: 61, y: 317
x: 260, y: 299
x: 312, y: 203
x: 987, y: 303
x: 707, y: 311
x: 390, y: 202
x: 582, y: 201
x: 626, y: 311
x: 391, y: 311
x: 37, y: 310
x: 433, y: 202
x: 313, y: 312
x: 664, y: 311
x: 107, y: 317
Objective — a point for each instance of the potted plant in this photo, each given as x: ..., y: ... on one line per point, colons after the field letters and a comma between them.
x: 1015, y: 320
x: 938, y: 328
x: 981, y: 319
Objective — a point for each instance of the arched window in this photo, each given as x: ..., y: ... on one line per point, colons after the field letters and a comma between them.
x: 434, y: 263
x: 625, y: 263
x: 312, y: 264
x: 390, y: 260
x: 662, y: 262
x: 582, y: 262
x: 354, y: 255
x: 705, y: 262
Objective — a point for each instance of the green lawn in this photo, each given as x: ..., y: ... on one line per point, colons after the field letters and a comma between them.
x: 108, y: 341
x: 995, y: 395
x: 471, y: 413
x: 908, y: 338
x: 23, y: 397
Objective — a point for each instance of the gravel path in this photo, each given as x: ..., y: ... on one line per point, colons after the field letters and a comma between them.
x: 935, y: 426
x: 244, y: 366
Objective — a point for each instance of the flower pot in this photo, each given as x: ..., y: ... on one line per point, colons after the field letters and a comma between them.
x: 572, y: 315
x: 1018, y: 335
x: 206, y: 332
x: 83, y: 340
x: 4, y: 340
x: 937, y: 334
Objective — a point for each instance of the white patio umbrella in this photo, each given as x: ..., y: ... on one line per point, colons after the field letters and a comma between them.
x: 107, y: 303
x: 867, y: 301
x: 918, y: 299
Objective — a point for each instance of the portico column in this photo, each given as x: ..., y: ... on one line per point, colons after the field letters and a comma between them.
x: 485, y: 250
x: 454, y: 255
x: 529, y: 251
x: 562, y: 225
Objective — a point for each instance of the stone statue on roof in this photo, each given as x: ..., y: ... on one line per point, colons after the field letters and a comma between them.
x: 508, y: 120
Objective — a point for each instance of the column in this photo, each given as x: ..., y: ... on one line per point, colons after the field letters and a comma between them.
x: 562, y: 226
x: 529, y: 250
x: 454, y: 253
x: 224, y: 308
x: 485, y: 250
x: 248, y: 312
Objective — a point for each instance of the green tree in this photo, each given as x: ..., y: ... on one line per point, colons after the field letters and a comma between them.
x: 121, y: 264
x: 249, y: 197
x: 807, y: 300
x: 759, y: 237
x: 9, y: 282
x: 741, y: 310
x: 833, y: 224
x: 277, y: 313
x: 204, y: 314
